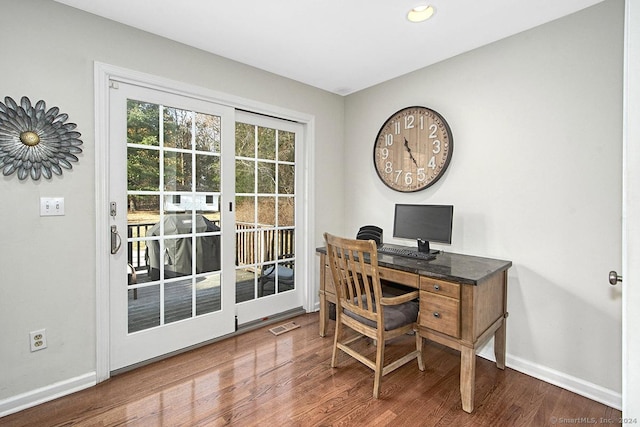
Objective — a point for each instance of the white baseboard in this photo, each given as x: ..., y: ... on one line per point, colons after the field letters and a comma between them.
x: 35, y: 397
x: 560, y: 379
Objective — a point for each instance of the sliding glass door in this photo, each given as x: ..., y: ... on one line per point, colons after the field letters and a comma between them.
x: 266, y: 216
x: 204, y: 217
x: 168, y: 271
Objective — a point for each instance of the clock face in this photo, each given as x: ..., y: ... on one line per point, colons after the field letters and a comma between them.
x: 413, y: 149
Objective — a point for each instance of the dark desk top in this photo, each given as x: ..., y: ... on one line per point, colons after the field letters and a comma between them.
x: 458, y: 268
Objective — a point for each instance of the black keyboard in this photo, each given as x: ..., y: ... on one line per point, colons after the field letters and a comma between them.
x: 390, y: 250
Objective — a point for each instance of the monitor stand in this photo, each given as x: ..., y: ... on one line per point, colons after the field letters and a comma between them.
x: 423, y: 246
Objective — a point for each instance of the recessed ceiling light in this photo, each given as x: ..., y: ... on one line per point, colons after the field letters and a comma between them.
x: 420, y: 13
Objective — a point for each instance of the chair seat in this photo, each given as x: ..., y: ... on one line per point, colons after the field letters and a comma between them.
x: 395, y: 316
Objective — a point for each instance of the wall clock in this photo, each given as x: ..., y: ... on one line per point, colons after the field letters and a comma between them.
x: 413, y: 149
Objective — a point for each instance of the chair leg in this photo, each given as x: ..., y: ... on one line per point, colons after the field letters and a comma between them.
x: 338, y: 332
x: 377, y: 376
x: 419, y: 349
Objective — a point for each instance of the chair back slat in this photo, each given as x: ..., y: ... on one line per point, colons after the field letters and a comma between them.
x: 354, y: 267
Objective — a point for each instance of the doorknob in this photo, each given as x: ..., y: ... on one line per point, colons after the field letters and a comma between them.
x: 614, y: 278
x: 116, y: 241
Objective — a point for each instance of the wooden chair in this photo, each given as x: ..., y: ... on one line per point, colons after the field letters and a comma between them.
x: 363, y: 308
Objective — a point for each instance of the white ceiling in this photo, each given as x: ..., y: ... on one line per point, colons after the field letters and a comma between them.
x: 341, y: 46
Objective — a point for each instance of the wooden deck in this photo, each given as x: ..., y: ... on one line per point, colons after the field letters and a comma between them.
x: 260, y: 379
x: 144, y: 303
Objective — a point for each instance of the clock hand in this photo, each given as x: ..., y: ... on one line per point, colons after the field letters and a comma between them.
x: 406, y: 144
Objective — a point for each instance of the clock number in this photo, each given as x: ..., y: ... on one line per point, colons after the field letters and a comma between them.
x: 388, y: 167
x: 421, y: 175
x: 388, y: 140
x: 408, y: 122
x: 432, y: 162
x: 434, y: 131
x: 398, y: 173
x: 384, y: 153
x: 408, y: 178
x: 421, y: 122
x: 436, y: 146
x: 396, y: 126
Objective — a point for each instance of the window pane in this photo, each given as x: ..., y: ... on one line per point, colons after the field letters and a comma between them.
x: 245, y: 210
x: 177, y: 128
x: 266, y: 281
x: 208, y: 133
x: 144, y: 308
x: 177, y: 257
x: 245, y: 176
x: 286, y: 179
x: 286, y: 146
x: 142, y: 169
x: 286, y: 211
x: 207, y: 249
x: 178, y: 301
x: 207, y: 173
x: 177, y: 171
x: 142, y: 123
x: 285, y: 276
x: 266, y: 177
x: 142, y: 214
x: 268, y: 244
x: 266, y: 143
x: 208, y: 294
x: 142, y: 209
x: 286, y: 243
x: 211, y: 209
x: 245, y: 140
x: 267, y: 210
x: 245, y: 285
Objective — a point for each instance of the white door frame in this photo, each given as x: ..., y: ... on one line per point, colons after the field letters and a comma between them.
x: 631, y: 216
x: 102, y: 74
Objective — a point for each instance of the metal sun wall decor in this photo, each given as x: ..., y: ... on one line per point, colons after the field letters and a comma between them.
x: 35, y: 141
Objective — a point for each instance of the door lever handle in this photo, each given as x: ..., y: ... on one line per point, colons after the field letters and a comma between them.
x: 614, y: 278
x: 116, y: 240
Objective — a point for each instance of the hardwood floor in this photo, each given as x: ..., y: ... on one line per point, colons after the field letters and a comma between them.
x: 261, y: 379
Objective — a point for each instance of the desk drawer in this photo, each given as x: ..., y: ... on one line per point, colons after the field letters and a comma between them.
x: 440, y: 287
x: 399, y: 276
x: 440, y: 313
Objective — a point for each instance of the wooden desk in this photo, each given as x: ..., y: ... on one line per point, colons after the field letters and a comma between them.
x: 463, y: 303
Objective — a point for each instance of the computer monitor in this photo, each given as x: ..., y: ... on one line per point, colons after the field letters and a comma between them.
x: 424, y: 223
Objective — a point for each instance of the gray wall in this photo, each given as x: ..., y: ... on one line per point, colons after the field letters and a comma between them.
x: 47, y: 265
x: 535, y: 178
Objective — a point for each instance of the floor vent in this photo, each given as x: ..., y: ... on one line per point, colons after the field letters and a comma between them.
x: 281, y: 329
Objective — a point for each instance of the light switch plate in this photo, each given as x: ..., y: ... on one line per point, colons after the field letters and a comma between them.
x: 51, y: 206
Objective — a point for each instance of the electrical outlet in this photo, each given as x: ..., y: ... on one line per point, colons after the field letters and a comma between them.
x: 38, y: 340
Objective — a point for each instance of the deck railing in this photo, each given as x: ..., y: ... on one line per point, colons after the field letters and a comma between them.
x: 257, y: 245
x: 253, y: 245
